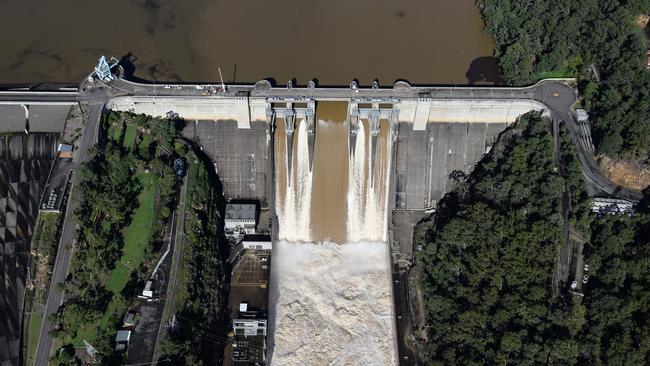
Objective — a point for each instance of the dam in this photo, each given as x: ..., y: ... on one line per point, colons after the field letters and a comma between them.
x: 434, y: 130
x: 336, y: 171
x: 341, y: 167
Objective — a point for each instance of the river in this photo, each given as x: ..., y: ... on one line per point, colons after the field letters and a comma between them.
x: 333, y: 41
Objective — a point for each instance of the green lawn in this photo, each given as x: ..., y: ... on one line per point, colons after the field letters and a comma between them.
x: 33, y: 332
x: 136, y: 240
x: 115, y: 132
x: 553, y: 74
x: 129, y: 136
x: 146, y: 141
x: 136, y: 237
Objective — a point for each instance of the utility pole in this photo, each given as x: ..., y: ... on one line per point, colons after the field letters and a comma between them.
x: 223, y: 86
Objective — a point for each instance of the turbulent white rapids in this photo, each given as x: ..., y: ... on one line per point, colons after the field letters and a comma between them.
x: 331, y: 303
x: 334, y: 305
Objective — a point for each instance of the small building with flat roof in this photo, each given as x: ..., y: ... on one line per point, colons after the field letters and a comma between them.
x: 257, y: 241
x: 581, y: 115
x: 240, y: 217
x: 122, y: 339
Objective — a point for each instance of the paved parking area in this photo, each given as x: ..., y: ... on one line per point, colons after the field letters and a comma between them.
x: 426, y: 158
x: 246, y: 279
x: 240, y: 156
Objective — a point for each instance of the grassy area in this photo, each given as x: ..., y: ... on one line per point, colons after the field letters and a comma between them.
x: 115, y: 132
x: 129, y: 136
x: 33, y: 331
x: 146, y: 141
x: 553, y: 74
x: 136, y: 238
x: 136, y: 241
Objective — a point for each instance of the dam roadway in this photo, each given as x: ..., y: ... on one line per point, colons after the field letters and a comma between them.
x: 417, y: 109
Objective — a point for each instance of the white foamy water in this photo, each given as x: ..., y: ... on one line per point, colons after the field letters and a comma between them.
x: 294, y: 209
x: 367, y: 201
x: 331, y: 303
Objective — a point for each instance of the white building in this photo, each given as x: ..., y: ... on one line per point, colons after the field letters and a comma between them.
x: 581, y: 116
x: 257, y: 242
x: 249, y: 327
x: 612, y: 206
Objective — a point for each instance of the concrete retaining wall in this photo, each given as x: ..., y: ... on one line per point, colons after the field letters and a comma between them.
x: 201, y: 108
x: 419, y: 111
x: 424, y: 110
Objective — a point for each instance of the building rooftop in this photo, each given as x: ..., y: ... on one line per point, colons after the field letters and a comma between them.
x: 240, y: 211
x: 581, y: 115
x: 257, y: 237
x: 65, y: 148
x: 123, y: 336
x: 612, y: 206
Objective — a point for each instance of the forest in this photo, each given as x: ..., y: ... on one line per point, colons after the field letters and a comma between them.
x: 490, y: 254
x: 598, y: 42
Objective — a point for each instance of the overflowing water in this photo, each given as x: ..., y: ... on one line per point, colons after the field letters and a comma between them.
x: 295, y: 206
x: 331, y: 297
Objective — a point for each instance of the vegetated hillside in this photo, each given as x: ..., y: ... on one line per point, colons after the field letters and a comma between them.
x: 489, y: 257
x: 488, y: 262
x: 617, y: 297
x: 199, y: 335
x: 124, y: 195
x: 537, y: 39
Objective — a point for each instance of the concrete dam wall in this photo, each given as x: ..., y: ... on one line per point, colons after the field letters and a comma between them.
x: 433, y: 137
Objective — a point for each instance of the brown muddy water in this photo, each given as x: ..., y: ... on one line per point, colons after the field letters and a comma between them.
x: 334, y: 41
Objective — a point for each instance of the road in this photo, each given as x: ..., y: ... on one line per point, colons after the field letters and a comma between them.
x: 178, y: 237
x: 153, y: 320
x: 590, y: 167
x: 64, y: 250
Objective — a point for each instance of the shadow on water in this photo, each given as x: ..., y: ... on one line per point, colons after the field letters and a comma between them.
x: 128, y: 64
x: 159, y: 72
x: 484, y: 70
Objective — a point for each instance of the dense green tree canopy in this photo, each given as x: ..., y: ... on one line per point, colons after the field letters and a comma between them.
x: 545, y: 38
x: 490, y: 254
x: 489, y: 260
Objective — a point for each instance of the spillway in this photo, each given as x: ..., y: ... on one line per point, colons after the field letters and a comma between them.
x: 331, y: 295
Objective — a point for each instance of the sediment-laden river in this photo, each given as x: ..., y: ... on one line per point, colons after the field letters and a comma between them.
x: 334, y: 41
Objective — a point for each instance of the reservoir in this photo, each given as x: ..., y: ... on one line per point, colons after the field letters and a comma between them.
x: 333, y: 41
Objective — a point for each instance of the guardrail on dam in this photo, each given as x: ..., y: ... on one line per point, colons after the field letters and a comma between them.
x: 417, y: 105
